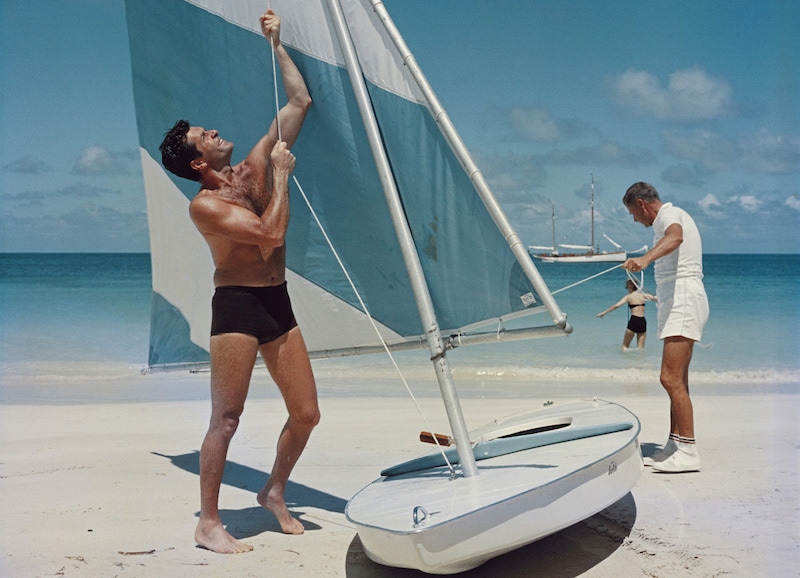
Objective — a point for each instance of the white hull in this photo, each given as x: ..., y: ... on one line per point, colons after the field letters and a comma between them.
x: 516, y: 499
x: 616, y: 257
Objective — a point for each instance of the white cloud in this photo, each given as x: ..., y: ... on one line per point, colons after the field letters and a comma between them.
x: 769, y: 153
x: 94, y: 160
x: 535, y: 123
x: 793, y: 202
x: 762, y: 152
x: 702, y: 146
x: 99, y: 160
x: 538, y: 124
x: 691, y: 95
x: 712, y: 208
x: 709, y: 202
x: 749, y: 203
x: 513, y: 177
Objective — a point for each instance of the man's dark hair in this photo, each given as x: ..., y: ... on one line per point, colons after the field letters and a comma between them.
x: 644, y: 191
x: 177, y: 154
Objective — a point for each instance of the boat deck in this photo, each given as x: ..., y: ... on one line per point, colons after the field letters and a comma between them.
x: 389, y: 502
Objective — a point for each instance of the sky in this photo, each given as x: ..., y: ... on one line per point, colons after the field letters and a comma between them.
x: 697, y: 97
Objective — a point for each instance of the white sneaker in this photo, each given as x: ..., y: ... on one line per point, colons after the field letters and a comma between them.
x: 669, y: 448
x: 685, y: 459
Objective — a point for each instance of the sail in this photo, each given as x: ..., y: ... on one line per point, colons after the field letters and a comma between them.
x: 206, y: 61
x: 613, y: 242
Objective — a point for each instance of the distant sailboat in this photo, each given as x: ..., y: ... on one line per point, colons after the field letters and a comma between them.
x: 579, y: 253
x: 428, y: 248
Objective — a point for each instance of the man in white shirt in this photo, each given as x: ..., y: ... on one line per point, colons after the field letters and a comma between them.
x: 682, y: 313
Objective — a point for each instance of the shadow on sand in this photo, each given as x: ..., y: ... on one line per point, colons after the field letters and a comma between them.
x: 649, y: 448
x: 252, y: 521
x: 567, y: 553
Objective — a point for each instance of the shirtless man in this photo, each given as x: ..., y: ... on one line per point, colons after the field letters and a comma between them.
x: 682, y: 313
x: 242, y: 212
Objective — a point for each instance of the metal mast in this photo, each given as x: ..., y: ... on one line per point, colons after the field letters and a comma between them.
x: 592, y: 249
x: 407, y: 247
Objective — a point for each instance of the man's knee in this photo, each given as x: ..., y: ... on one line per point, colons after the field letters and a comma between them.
x: 307, y: 417
x: 666, y: 382
x: 672, y: 383
x: 227, y: 423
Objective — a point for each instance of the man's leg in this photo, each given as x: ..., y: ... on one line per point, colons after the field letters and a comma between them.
x: 290, y: 368
x: 675, y: 378
x: 232, y: 359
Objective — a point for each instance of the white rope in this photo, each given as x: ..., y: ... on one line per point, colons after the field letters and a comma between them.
x: 349, y: 279
x: 275, y: 85
x: 275, y: 81
x: 638, y: 284
x: 587, y: 279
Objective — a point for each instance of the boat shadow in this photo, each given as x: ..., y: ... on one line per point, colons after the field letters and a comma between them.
x: 567, y: 553
x: 249, y: 522
x: 649, y: 448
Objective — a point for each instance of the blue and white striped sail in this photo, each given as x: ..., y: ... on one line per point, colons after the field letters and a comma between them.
x: 206, y: 61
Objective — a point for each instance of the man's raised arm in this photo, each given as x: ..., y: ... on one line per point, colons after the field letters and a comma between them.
x: 294, y: 111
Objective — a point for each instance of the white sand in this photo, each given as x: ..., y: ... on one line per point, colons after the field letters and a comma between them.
x: 112, y: 490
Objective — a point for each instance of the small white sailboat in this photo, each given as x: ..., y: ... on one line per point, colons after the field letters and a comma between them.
x: 579, y: 253
x: 424, y: 241
x: 538, y: 472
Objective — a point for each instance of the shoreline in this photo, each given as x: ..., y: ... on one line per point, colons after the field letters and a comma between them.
x: 98, y: 488
x: 108, y: 383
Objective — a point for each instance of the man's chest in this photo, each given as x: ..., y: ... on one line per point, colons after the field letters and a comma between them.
x: 251, y: 192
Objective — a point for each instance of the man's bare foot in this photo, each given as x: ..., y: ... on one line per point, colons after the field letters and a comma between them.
x: 213, y: 536
x: 276, y: 505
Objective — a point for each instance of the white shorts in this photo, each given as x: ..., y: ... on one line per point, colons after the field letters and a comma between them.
x: 682, y: 308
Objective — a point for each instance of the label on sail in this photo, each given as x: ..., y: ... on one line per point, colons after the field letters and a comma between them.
x: 207, y: 62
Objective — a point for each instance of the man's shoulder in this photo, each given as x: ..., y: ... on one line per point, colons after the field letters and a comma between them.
x: 666, y: 208
x: 204, y: 197
x: 207, y: 201
x: 669, y: 213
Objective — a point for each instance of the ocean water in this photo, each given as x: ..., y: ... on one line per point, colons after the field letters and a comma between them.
x: 73, y: 310
x: 81, y: 314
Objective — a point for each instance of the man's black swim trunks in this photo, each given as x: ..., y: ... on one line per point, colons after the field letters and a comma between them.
x: 637, y: 324
x: 264, y: 312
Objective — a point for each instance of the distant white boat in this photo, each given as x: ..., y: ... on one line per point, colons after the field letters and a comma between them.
x: 579, y: 253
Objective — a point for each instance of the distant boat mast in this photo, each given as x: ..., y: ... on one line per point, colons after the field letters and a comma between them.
x: 592, y: 243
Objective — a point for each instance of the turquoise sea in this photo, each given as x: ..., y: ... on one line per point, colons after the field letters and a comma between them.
x: 70, y: 314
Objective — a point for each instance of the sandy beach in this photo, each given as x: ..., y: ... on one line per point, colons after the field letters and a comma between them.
x: 107, y: 485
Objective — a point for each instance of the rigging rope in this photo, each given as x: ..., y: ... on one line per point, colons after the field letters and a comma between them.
x: 347, y: 274
x: 587, y: 279
x: 638, y: 284
x: 275, y: 81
